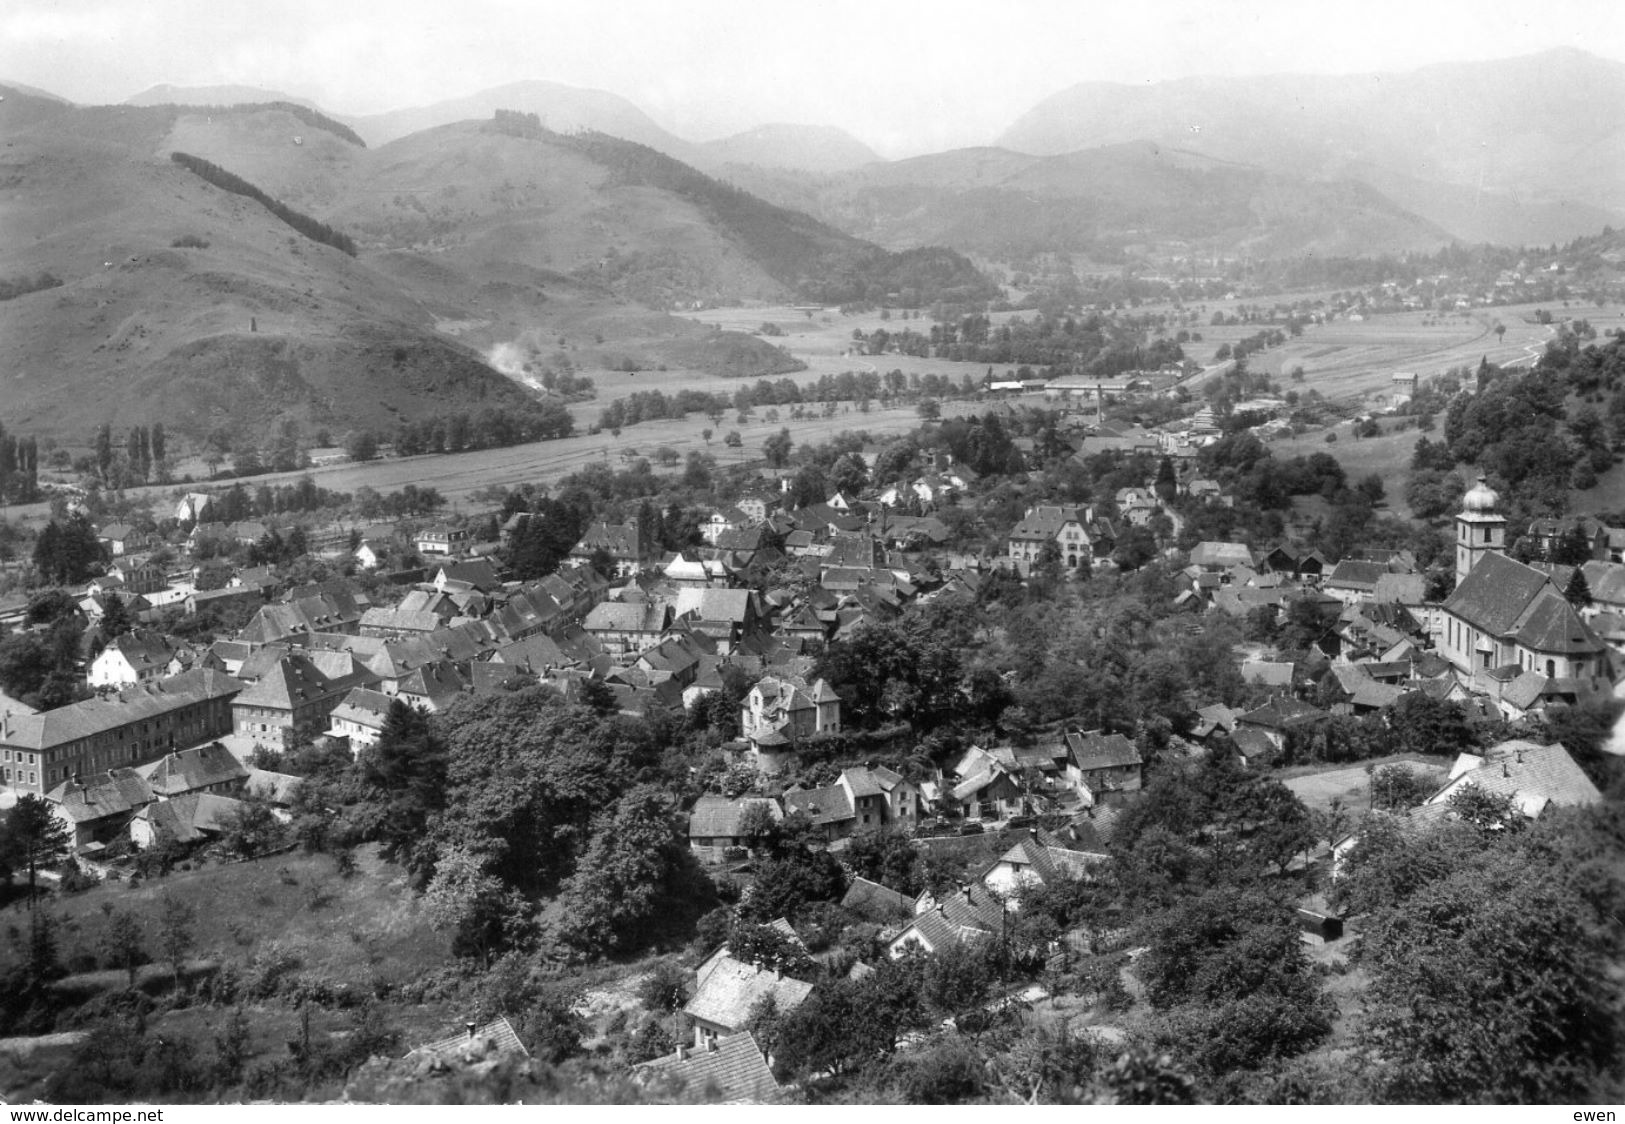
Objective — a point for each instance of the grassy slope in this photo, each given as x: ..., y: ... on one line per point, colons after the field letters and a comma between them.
x: 345, y: 932
x: 143, y: 332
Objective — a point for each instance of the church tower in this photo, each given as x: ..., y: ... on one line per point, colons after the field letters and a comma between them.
x: 1479, y: 528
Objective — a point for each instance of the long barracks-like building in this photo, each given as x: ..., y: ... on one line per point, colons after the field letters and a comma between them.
x: 137, y: 725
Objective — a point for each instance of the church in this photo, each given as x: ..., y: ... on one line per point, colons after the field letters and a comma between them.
x: 1508, y: 618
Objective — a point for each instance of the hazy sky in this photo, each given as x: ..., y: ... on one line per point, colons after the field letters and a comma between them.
x: 905, y: 76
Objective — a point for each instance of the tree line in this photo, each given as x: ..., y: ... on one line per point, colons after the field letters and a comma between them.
x: 313, y: 229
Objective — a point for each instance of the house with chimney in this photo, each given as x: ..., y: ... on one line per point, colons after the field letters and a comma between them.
x: 134, y: 726
x: 296, y: 698
x: 726, y: 991
x: 728, y: 1069
x: 1535, y: 777
x: 971, y: 914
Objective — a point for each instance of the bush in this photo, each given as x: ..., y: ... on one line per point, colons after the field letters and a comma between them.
x: 190, y: 242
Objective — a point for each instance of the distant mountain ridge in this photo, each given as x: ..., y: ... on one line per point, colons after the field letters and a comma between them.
x: 807, y: 148
x: 561, y: 108
x: 165, y: 94
x: 1543, y: 129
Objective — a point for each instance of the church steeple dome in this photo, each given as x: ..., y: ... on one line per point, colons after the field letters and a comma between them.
x: 1480, y: 499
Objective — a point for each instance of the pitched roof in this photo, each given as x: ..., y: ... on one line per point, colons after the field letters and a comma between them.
x: 1222, y: 554
x: 297, y: 679
x: 99, y: 715
x: 114, y: 793
x: 718, y: 817
x: 1533, y: 775
x: 192, y: 769
x: 828, y: 804
x: 495, y: 1039
x: 1351, y: 574
x: 732, y: 1067
x: 1550, y: 624
x: 1095, y: 750
x: 1495, y: 594
x: 875, y: 902
x: 143, y: 649
x: 728, y: 992
x: 621, y: 616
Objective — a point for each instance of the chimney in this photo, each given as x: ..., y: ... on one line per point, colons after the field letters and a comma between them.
x: 1519, y: 754
x: 699, y: 1036
x: 710, y: 1045
x: 1505, y: 772
x: 470, y: 1026
x: 964, y: 890
x: 682, y: 1052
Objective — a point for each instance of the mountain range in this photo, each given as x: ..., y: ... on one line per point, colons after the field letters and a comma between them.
x: 543, y: 212
x: 1524, y: 150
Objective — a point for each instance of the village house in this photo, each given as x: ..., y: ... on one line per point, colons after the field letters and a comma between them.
x: 777, y: 712
x: 714, y: 824
x: 296, y: 698
x: 1103, y: 767
x: 1535, y: 777
x: 359, y: 718
x: 620, y: 541
x: 628, y: 627
x: 728, y: 1069
x: 98, y: 810
x: 863, y: 798
x: 137, y: 656
x: 1066, y: 527
x: 1030, y: 863
x: 727, y: 990
x: 443, y: 540
x: 970, y: 914
x: 139, y: 724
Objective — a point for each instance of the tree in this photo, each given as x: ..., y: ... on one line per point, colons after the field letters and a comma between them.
x: 1397, y: 787
x: 1488, y: 985
x: 733, y: 440
x: 406, y: 768
x: 848, y: 473
x: 1578, y: 590
x: 466, y: 899
x: 361, y: 445
x: 777, y: 449
x: 1423, y: 724
x: 1167, y: 484
x: 613, y: 901
x: 33, y: 834
x: 124, y: 943
x: 251, y: 829
x: 176, y: 934
x: 116, y: 617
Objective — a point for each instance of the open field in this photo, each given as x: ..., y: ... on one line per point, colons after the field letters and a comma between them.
x: 1388, y: 456
x: 295, y: 902
x: 1317, y: 786
x: 456, y: 475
